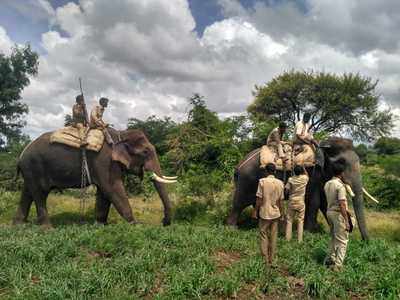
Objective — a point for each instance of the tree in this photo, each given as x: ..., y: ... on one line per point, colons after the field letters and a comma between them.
x: 156, y: 129
x: 387, y: 146
x: 346, y: 104
x: 14, y: 77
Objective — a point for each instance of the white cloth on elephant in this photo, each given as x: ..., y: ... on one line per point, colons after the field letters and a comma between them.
x: 302, y: 133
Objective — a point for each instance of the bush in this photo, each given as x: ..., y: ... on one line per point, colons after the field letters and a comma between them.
x: 384, y: 187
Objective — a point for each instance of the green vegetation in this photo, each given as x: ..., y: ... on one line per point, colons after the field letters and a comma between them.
x: 196, y: 257
x: 15, y: 70
x: 337, y: 103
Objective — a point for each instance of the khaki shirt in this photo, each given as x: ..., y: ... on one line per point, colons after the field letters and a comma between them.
x: 302, y: 130
x: 96, y: 117
x: 270, y: 190
x: 274, y: 138
x: 335, y: 190
x: 296, y: 186
x: 78, y: 114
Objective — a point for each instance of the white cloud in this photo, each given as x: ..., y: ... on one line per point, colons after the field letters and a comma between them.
x: 146, y: 58
x: 5, y: 42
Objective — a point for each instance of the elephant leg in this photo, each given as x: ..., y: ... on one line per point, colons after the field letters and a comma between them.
x: 102, y: 207
x: 238, y: 207
x: 312, y: 206
x: 40, y: 198
x: 120, y: 201
x: 24, y: 206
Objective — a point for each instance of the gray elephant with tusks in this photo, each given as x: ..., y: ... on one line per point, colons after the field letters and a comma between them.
x: 248, y: 173
x: 45, y: 167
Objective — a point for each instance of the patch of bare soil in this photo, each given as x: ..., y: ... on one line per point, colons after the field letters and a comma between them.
x: 225, y: 259
x: 100, y: 254
x: 157, y: 287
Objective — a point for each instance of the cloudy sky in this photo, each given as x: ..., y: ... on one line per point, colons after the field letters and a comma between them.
x: 149, y: 56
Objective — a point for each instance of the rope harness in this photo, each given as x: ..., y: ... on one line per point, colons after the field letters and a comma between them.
x: 86, y: 181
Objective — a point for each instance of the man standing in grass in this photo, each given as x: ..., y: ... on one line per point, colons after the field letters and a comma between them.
x: 269, y: 209
x: 296, y: 188
x: 338, y: 219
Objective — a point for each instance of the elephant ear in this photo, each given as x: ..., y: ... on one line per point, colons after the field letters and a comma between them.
x: 120, y: 154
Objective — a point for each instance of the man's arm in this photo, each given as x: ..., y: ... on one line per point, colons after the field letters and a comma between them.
x: 259, y: 200
x: 342, y: 205
x: 280, y: 204
x: 343, y: 212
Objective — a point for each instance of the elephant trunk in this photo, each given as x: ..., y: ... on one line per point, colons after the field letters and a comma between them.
x: 153, y: 165
x: 358, y: 204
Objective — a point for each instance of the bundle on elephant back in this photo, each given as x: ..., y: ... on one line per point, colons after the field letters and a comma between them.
x: 305, y: 156
x: 248, y: 173
x: 45, y: 166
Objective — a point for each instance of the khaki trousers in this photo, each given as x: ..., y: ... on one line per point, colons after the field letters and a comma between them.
x: 295, y: 213
x: 339, y: 238
x: 268, y: 238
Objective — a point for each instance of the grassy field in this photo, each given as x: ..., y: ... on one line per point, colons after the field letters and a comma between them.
x: 184, y: 261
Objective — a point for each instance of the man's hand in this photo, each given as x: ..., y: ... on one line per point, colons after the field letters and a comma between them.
x: 347, y: 226
x: 254, y: 214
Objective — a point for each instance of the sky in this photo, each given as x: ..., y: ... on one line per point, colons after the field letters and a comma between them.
x: 149, y: 56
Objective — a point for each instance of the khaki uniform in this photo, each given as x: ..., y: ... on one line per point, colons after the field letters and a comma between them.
x: 275, y: 140
x: 302, y: 133
x: 296, y: 186
x: 79, y: 121
x: 271, y: 191
x: 335, y: 190
x: 96, y: 117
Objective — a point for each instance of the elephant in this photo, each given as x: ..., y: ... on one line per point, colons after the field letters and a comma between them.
x: 47, y: 166
x: 248, y: 172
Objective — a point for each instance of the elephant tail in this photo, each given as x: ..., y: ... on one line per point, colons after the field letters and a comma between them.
x: 18, y: 171
x: 236, y: 175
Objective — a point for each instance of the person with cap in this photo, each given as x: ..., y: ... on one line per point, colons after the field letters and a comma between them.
x: 296, y: 189
x: 79, y: 119
x: 269, y: 210
x: 338, y: 216
x: 96, y: 115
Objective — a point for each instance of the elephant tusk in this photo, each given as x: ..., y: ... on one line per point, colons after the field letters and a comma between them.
x: 162, y: 180
x: 170, y: 177
x: 369, y: 196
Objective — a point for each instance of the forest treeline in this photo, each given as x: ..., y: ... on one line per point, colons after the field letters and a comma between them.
x: 204, y: 149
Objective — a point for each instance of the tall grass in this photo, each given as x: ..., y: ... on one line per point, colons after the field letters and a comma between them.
x: 183, y: 261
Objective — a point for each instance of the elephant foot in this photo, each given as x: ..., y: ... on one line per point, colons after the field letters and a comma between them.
x: 46, y: 226
x: 166, y: 221
x: 231, y: 221
x: 16, y: 222
x: 100, y: 223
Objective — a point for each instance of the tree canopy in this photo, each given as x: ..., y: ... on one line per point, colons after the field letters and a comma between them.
x: 345, y: 104
x: 15, y: 70
x: 387, y: 146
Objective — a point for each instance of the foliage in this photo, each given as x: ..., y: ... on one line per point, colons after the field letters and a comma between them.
x: 205, y: 149
x: 156, y: 129
x: 338, y: 104
x: 14, y: 74
x: 391, y: 164
x: 8, y: 164
x: 68, y: 121
x: 387, y: 146
x: 384, y: 187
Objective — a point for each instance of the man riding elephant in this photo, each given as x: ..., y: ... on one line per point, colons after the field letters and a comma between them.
x: 302, y: 132
x: 96, y: 119
x: 96, y: 115
x: 275, y: 140
x: 79, y: 119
